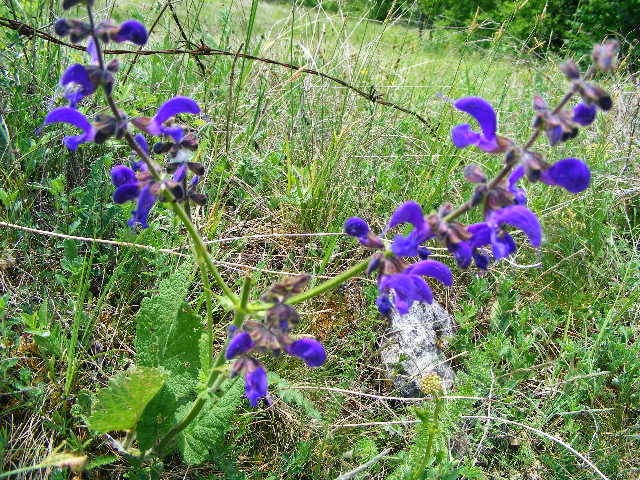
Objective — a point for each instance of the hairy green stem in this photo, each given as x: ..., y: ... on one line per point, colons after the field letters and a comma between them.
x: 422, y: 465
x: 206, y: 285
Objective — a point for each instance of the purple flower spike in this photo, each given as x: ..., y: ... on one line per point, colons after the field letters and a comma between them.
x: 462, y: 135
x: 77, y: 84
x: 170, y: 108
x: 239, y: 344
x: 309, y: 350
x: 519, y: 217
x: 570, y: 173
x: 255, y: 385
x: 584, y: 114
x: 139, y: 216
x: 131, y: 31
x: 75, y: 118
x: 121, y: 175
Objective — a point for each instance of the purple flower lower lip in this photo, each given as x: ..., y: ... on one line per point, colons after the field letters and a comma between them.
x: 462, y: 135
x: 239, y: 344
x: 521, y: 218
x: 146, y: 200
x: 409, y: 286
x: 75, y: 118
x: 407, y: 246
x: 79, y: 76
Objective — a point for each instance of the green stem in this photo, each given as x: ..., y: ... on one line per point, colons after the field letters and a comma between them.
x: 422, y: 465
x: 206, y: 285
x: 331, y: 283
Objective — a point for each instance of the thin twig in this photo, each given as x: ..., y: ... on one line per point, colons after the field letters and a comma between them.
x: 187, y: 42
x: 382, y: 397
x: 93, y: 240
x: 364, y: 466
x: 227, y: 138
x: 266, y: 235
x: 137, y: 55
x: 27, y: 30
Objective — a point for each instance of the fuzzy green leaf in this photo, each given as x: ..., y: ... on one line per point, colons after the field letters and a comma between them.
x: 202, y: 436
x: 120, y: 405
x: 167, y: 335
x: 292, y: 396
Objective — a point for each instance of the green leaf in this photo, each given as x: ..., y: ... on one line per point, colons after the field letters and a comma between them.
x: 158, y: 328
x: 202, y: 436
x: 120, y: 405
x: 167, y: 335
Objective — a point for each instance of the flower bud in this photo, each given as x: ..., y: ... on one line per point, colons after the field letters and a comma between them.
x: 605, y: 55
x: 570, y: 69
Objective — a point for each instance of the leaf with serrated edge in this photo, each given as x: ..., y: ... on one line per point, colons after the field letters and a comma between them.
x: 120, y: 405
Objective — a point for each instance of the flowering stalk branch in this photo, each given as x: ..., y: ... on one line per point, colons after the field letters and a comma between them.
x: 504, y: 172
x: 199, y: 248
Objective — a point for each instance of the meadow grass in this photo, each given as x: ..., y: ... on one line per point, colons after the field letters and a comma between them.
x: 555, y: 347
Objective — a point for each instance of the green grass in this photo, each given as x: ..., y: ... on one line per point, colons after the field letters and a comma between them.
x: 304, y: 155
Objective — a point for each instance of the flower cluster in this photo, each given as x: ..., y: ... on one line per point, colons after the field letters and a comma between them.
x: 271, y: 335
x: 137, y: 182
x: 504, y: 201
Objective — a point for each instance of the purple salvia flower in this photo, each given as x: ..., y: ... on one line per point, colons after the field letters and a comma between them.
x: 356, y: 227
x: 409, y: 212
x: 309, y: 350
x: 77, y: 83
x: 131, y: 31
x: 519, y: 195
x: 156, y: 125
x: 462, y: 135
x: 584, y: 114
x: 255, y: 385
x: 146, y: 200
x: 75, y: 118
x: 240, y: 343
x: 409, y: 286
x: 570, y: 173
x: 492, y: 232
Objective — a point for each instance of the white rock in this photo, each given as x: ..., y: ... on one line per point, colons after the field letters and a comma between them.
x: 411, y: 348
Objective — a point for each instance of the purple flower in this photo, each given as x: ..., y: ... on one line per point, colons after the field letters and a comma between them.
x: 409, y: 286
x: 407, y: 246
x: 255, y: 385
x: 78, y: 83
x: 570, y: 173
x: 584, y: 114
x: 356, y: 227
x: 156, y: 125
x: 131, y: 31
x: 75, y: 118
x: 131, y: 186
x: 492, y: 232
x: 463, y: 136
x: 240, y: 343
x: 309, y: 350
